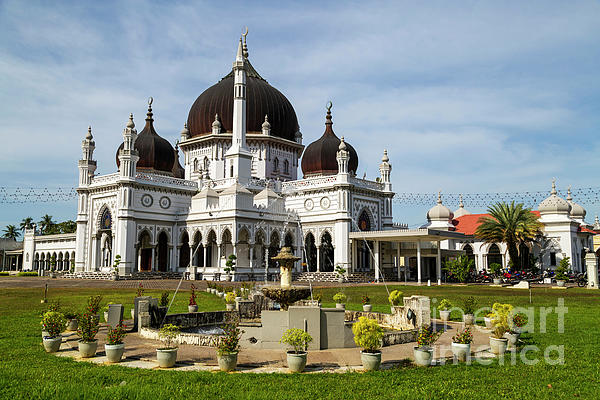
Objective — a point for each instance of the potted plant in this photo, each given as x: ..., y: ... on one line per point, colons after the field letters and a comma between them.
x: 318, y: 297
x: 519, y: 320
x: 166, y: 356
x: 238, y: 294
x: 87, y: 330
x: 192, y: 306
x: 93, y: 306
x: 561, y: 272
x: 228, y: 347
x: 444, y: 309
x: 208, y: 287
x: 114, y: 346
x: 468, y: 310
x: 368, y: 335
x: 229, y: 266
x: 52, y: 306
x: 498, y: 342
x: 71, y: 317
x: 495, y: 269
x: 299, y: 340
x: 488, y: 320
x: 53, y: 323
x: 139, y: 293
x: 395, y: 298
x: 366, y: 303
x: 461, y: 344
x: 423, y: 352
x: 105, y: 310
x: 341, y: 271
x: 230, y: 301
x: 115, y: 274
x: 340, y: 300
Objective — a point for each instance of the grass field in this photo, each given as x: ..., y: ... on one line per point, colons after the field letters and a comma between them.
x: 27, y: 372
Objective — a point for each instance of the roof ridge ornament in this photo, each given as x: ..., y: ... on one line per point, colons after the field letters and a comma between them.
x: 245, y: 47
x: 569, y: 197
x: 149, y: 113
x: 89, y: 133
x: 385, y: 157
x: 130, y: 123
x: 439, y: 199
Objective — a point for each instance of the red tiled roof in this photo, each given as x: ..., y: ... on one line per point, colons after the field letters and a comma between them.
x: 467, y: 224
x: 584, y: 229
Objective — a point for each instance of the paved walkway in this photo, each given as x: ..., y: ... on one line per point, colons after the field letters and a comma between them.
x: 141, y: 353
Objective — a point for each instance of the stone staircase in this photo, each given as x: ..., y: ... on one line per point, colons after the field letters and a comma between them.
x: 107, y: 276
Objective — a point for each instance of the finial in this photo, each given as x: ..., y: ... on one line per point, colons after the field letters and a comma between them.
x: 439, y: 200
x: 596, y: 221
x: 149, y: 113
x: 385, y: 157
x: 342, y: 145
x: 89, y: 133
x: 553, y: 191
x: 569, y: 197
x: 185, y: 131
x: 216, y: 122
x: 130, y: 123
x: 328, y: 121
x: 266, y: 124
x: 460, y: 204
x: 245, y: 47
x: 328, y: 106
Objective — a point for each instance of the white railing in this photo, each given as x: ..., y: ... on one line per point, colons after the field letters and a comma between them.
x: 104, y: 179
x: 321, y: 181
x: 167, y: 180
x: 366, y: 184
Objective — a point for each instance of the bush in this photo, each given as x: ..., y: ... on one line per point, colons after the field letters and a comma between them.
x: 87, y: 327
x: 395, y: 297
x: 460, y: 268
x: 469, y: 305
x: 230, y: 343
x: 365, y: 299
x: 463, y: 337
x: 164, y: 299
x: 140, y: 290
x: 230, y: 298
x: 427, y: 336
x: 296, y: 338
x: 71, y: 314
x: 168, y: 333
x: 105, y: 308
x: 495, y: 269
x: 562, y: 269
x: 193, y: 295
x: 115, y: 335
x: 367, y: 334
x: 500, y: 319
x: 27, y: 273
x: 93, y: 304
x: 4, y: 273
x: 339, y: 298
x: 54, y: 323
x: 444, y: 305
x: 519, y: 320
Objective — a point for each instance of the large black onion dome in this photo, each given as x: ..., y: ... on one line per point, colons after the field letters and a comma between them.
x: 320, y: 157
x: 261, y: 99
x: 155, y: 152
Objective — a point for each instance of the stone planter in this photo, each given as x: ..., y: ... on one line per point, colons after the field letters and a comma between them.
x: 227, y: 361
x: 88, y: 349
x: 114, y: 352
x: 166, y: 357
x: 513, y: 338
x: 340, y: 306
x: 228, y: 278
x: 44, y: 334
x: 230, y: 307
x: 444, y: 315
x: 341, y: 279
x: 468, y: 319
x: 497, y: 281
x: 498, y: 346
x: 367, y: 307
x: 560, y: 283
x: 461, y: 351
x: 114, y: 277
x: 370, y: 361
x: 132, y: 313
x: 208, y: 290
x: 72, y: 324
x: 105, y: 316
x: 488, y: 323
x: 296, y: 362
x: 238, y: 299
x: 423, y: 355
x: 52, y: 344
x: 193, y: 308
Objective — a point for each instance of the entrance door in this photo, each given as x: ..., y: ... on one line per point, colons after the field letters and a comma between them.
x: 146, y: 260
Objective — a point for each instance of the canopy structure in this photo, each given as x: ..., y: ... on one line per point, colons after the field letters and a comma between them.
x: 390, y: 249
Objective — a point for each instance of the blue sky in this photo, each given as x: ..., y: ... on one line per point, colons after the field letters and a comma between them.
x: 467, y: 96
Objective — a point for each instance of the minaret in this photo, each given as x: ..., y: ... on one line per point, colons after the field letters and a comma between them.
x: 238, y: 158
x: 87, y: 165
x: 385, y: 169
x: 128, y: 156
x: 185, y: 133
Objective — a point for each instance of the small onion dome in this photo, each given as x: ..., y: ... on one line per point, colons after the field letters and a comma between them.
x: 266, y: 124
x: 320, y: 157
x: 554, y: 204
x: 385, y: 157
x: 261, y: 99
x: 156, y: 153
x: 89, y: 136
x: 461, y: 209
x: 216, y: 123
x: 130, y: 123
x: 439, y: 212
x: 185, y: 132
x: 577, y: 211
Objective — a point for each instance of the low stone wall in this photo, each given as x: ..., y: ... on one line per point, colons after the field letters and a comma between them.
x: 193, y: 320
x: 398, y: 319
x: 399, y: 337
x: 185, y: 338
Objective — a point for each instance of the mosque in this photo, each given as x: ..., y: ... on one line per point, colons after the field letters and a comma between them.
x: 229, y: 190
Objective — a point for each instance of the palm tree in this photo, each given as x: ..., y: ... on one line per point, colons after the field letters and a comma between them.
x: 26, y: 223
x: 512, y: 224
x: 46, y: 224
x: 11, y: 232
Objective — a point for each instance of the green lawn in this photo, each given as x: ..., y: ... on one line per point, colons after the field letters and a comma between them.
x: 27, y: 372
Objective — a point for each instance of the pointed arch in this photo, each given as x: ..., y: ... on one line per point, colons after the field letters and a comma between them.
x: 327, y: 254
x: 366, y: 221
x: 162, y: 252
x: 310, y: 250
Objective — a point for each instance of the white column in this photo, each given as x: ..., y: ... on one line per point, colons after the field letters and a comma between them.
x: 419, y: 262
x: 438, y: 263
x: 376, y: 251
x: 139, y: 259
x: 398, y: 248
x: 204, y: 258
x: 152, y: 259
x: 266, y: 263
x: 251, y: 257
x: 218, y: 257
x: 318, y: 258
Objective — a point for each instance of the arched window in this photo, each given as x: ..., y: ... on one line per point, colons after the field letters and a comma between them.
x: 195, y: 164
x: 364, y: 222
x: 494, y: 255
x: 106, y: 220
x: 286, y: 167
x: 206, y: 163
x: 326, y: 249
x: 469, y: 253
x: 310, y: 252
x: 276, y: 164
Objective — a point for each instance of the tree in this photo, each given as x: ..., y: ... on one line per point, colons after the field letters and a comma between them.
x: 11, y: 232
x: 459, y: 268
x: 512, y: 224
x: 46, y: 224
x: 26, y: 223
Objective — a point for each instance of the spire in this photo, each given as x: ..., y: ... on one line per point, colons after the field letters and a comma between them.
x: 185, y: 133
x: 460, y: 199
x: 569, y: 197
x: 553, y: 191
x: 216, y: 125
x: 130, y: 123
x: 240, y: 52
x: 89, y: 133
x: 385, y: 157
x: 342, y: 145
x: 245, y: 48
x: 266, y: 126
x: 149, y: 113
x: 596, y: 223
x: 328, y: 121
x: 439, y: 200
